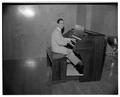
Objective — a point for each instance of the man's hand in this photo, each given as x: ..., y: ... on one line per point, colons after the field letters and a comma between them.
x: 70, y: 40
x: 74, y: 40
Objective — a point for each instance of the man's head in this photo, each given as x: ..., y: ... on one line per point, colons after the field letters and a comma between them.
x: 60, y: 23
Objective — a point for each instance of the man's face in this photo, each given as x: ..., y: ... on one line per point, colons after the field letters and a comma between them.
x: 61, y: 24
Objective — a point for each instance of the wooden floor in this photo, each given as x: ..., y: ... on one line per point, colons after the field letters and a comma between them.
x: 33, y: 77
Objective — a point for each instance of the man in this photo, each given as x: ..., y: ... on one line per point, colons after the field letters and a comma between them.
x: 58, y: 43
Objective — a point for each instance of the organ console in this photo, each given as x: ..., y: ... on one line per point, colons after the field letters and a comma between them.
x: 90, y: 48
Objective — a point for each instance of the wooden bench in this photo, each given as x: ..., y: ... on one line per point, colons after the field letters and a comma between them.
x: 58, y: 64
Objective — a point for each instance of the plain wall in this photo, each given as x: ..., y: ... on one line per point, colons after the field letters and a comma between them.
x: 102, y: 18
x: 81, y: 15
x: 29, y: 37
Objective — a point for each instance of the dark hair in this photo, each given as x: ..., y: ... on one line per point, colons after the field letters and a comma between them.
x: 60, y: 19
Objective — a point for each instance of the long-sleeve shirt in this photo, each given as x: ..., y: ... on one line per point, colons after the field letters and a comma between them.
x: 58, y: 42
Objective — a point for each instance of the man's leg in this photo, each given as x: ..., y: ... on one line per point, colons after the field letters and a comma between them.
x: 71, y: 56
x: 76, y: 61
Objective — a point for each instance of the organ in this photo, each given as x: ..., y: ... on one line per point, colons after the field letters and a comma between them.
x: 90, y: 48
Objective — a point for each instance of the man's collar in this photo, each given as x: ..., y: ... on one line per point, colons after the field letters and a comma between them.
x: 58, y: 28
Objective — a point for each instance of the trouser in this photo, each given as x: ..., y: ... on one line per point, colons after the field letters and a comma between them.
x: 71, y: 56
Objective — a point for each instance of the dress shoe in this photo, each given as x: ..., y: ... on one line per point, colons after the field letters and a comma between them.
x: 79, y: 67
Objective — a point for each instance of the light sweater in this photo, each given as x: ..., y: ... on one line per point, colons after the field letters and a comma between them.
x: 58, y: 42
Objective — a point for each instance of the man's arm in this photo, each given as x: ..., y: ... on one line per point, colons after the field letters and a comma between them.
x: 60, y: 39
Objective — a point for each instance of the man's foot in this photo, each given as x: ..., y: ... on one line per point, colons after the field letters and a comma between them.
x: 79, y: 67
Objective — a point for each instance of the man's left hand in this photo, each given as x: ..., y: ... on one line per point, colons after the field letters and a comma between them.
x: 74, y: 40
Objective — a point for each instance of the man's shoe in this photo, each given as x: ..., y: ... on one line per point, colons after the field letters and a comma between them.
x: 79, y: 67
